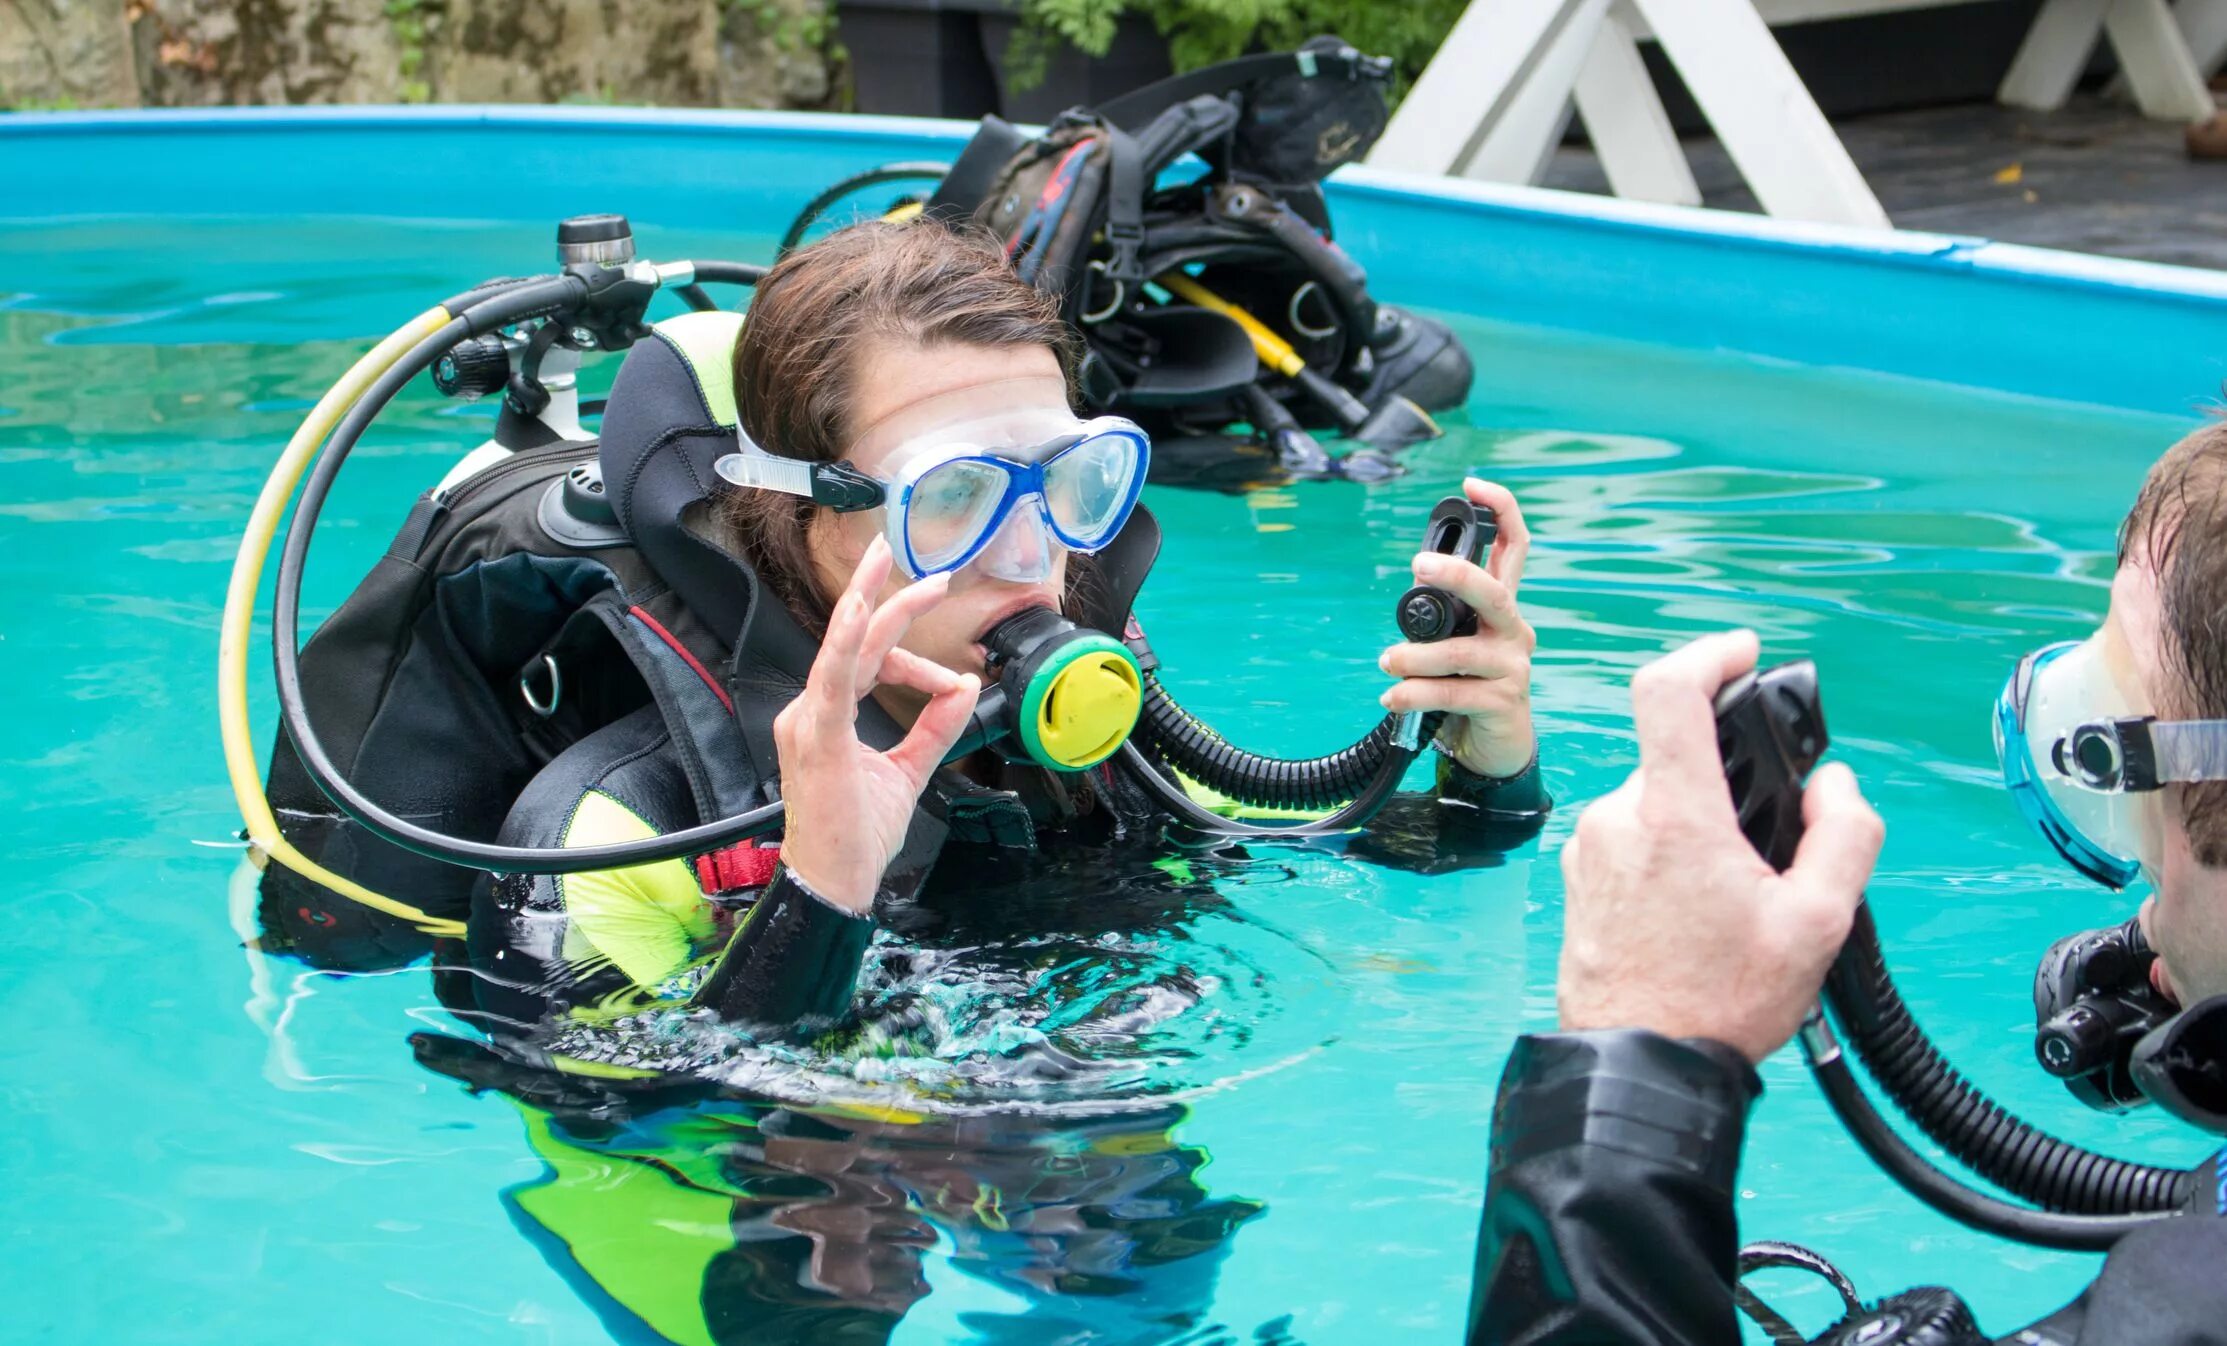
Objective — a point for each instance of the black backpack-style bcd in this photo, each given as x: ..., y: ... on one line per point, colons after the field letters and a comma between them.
x: 519, y: 609
x: 529, y: 603
x: 1217, y: 299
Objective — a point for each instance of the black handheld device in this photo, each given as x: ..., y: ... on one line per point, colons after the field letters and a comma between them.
x: 1457, y: 528
x: 1771, y: 733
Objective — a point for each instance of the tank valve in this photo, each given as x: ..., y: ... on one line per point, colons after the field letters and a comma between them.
x: 587, y: 240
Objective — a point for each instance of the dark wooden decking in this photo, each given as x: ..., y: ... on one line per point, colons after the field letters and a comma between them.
x: 2096, y: 177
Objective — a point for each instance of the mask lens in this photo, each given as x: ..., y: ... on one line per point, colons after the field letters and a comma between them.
x: 2052, y: 693
x: 949, y: 510
x: 1090, y: 488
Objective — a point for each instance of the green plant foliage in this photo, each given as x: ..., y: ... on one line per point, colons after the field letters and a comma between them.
x: 1201, y: 32
x: 791, y: 30
x: 1087, y: 25
x: 408, y: 18
x: 1408, y: 31
x: 60, y: 103
x: 605, y: 94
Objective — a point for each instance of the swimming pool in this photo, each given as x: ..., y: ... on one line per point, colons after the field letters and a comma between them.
x: 210, y: 1143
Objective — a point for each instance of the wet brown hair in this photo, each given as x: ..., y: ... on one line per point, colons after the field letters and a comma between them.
x: 2178, y: 529
x: 797, y: 365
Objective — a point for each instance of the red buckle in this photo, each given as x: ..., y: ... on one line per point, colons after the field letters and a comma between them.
x: 745, y: 865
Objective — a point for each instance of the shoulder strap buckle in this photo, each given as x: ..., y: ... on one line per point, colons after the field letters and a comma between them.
x: 1126, y: 183
x: 1126, y: 260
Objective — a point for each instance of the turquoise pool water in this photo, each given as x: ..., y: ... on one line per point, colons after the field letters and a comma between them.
x: 210, y: 1144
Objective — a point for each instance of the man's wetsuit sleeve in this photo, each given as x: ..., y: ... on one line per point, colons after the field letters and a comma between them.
x: 1608, y: 1203
x: 793, y: 960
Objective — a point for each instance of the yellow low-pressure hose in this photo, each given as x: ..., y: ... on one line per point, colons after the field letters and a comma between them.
x: 239, y: 614
x: 1273, y: 350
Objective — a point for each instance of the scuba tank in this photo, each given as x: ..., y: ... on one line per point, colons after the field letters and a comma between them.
x: 1218, y: 301
x: 551, y: 584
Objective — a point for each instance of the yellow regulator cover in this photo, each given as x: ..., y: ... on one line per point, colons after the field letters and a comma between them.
x: 1079, y: 708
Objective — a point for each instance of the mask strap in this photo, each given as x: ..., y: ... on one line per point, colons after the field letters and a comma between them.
x: 2178, y: 750
x: 838, y: 486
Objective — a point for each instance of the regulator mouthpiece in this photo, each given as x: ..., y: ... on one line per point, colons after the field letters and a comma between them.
x: 1065, y: 697
x: 2093, y: 1004
x: 1771, y: 733
x: 2177, y: 1065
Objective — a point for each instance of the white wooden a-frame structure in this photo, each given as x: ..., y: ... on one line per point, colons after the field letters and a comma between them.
x: 1497, y: 97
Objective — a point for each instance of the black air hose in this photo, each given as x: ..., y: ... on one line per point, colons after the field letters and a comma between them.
x: 2028, y: 1163
x: 729, y: 273
x: 818, y: 205
x: 1178, y: 737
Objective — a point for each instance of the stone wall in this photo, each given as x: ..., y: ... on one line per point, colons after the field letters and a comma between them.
x: 198, y: 53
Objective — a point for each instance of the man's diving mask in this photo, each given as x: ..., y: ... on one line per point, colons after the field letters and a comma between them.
x: 2081, y: 763
x: 949, y: 498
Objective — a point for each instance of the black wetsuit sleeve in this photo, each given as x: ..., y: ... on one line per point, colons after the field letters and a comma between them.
x: 792, y: 962
x: 1468, y: 822
x: 1608, y: 1204
x: 1521, y: 798
x: 1609, y: 1211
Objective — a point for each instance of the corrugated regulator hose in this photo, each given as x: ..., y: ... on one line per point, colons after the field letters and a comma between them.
x: 2026, y: 1162
x: 1185, y: 743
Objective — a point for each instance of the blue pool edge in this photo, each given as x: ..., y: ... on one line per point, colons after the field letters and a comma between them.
x: 2028, y: 321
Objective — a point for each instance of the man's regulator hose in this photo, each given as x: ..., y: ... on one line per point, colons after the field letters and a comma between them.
x: 2088, y: 1200
x: 1771, y: 732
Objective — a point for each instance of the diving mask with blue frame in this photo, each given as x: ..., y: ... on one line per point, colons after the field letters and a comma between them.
x: 1007, y: 488
x: 2085, y: 764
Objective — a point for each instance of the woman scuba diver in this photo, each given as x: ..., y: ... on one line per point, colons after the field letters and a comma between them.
x: 908, y: 487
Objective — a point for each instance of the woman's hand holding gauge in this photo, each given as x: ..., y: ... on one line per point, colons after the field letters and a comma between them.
x: 1483, y: 678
